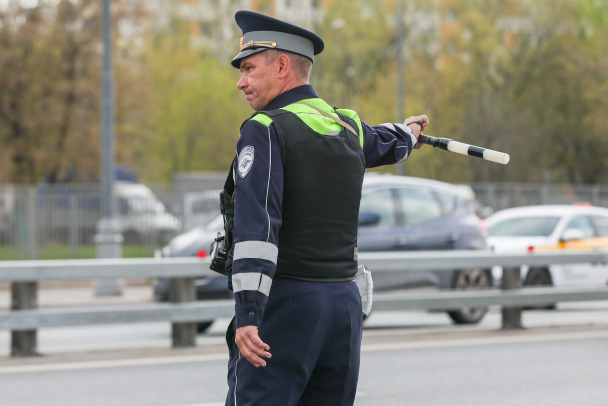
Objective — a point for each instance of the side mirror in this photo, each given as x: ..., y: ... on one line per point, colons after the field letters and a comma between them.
x: 572, y: 234
x: 367, y: 218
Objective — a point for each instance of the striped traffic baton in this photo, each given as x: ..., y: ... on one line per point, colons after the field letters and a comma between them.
x: 465, y: 149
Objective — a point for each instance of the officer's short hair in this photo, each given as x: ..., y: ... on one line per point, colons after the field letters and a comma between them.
x: 301, y: 65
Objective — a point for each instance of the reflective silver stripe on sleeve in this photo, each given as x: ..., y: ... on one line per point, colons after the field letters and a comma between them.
x: 409, y: 131
x: 404, y: 128
x: 256, y: 250
x: 251, y: 281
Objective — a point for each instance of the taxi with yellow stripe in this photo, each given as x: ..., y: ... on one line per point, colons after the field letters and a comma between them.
x: 576, y: 227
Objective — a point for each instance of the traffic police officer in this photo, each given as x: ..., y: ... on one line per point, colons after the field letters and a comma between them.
x: 296, y: 335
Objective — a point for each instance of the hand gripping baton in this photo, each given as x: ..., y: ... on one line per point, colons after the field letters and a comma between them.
x: 465, y: 149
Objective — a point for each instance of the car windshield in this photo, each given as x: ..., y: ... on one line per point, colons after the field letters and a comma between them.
x: 217, y: 223
x: 145, y: 205
x: 541, y: 226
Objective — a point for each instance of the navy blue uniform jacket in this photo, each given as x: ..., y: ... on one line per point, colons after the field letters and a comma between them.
x: 258, y: 198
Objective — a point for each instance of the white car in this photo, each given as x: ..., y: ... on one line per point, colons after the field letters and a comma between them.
x: 142, y: 215
x: 551, y: 227
x: 200, y: 208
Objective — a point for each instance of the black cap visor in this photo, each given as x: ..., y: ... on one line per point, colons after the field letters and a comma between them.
x: 236, y: 62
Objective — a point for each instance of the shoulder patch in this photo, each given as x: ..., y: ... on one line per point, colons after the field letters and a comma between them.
x: 246, y: 160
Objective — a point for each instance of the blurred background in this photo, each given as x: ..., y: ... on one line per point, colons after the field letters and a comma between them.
x: 524, y: 77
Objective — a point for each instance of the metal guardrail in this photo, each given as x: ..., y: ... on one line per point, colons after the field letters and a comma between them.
x: 403, y: 261
x: 25, y: 318
x: 450, y: 260
x: 67, y: 269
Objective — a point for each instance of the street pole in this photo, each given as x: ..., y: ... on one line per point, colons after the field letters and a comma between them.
x: 400, y: 81
x: 108, y: 238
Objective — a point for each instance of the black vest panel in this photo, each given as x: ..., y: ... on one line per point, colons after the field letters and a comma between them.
x: 323, y: 175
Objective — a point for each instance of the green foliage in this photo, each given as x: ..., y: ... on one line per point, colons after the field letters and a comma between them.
x: 60, y: 251
x: 525, y: 77
x: 47, y: 67
x: 535, y: 97
x: 192, y: 107
x: 355, y: 56
x: 560, y: 84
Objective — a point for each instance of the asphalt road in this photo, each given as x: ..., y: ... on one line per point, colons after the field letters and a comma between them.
x: 408, y: 358
x: 534, y: 367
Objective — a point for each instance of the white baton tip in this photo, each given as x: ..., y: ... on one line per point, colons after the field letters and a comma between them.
x: 458, y: 147
x: 496, y: 156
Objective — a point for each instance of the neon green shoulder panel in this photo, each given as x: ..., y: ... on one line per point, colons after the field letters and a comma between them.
x: 319, y: 123
x: 313, y: 119
x: 262, y: 119
x: 355, y: 117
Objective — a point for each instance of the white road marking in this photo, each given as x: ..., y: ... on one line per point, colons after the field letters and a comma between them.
x: 524, y: 338
x: 112, y: 363
x: 205, y: 404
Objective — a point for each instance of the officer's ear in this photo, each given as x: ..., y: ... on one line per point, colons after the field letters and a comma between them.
x: 283, y: 65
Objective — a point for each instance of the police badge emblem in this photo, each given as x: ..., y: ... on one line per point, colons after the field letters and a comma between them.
x: 246, y: 160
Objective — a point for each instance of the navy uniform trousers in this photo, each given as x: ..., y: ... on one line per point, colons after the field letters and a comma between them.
x: 314, y: 333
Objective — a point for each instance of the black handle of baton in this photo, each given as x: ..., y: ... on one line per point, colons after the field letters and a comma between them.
x: 436, y: 142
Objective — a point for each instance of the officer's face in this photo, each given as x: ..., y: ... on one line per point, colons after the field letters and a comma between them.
x: 258, y: 81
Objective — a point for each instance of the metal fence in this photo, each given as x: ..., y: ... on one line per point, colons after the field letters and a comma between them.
x: 59, y: 221
x: 498, y: 196
x: 25, y: 318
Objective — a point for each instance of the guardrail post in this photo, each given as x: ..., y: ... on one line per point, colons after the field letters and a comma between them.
x: 511, y: 316
x: 182, y: 290
x: 109, y: 245
x: 24, y: 296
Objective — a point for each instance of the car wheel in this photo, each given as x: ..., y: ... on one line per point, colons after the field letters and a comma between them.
x: 203, y: 326
x: 470, y: 279
x: 539, y: 277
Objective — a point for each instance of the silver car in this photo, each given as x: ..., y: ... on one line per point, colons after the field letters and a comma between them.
x: 397, y: 213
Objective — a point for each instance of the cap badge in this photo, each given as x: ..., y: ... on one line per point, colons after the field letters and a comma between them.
x: 262, y: 44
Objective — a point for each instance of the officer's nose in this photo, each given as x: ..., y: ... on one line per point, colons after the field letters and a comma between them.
x: 242, y: 83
